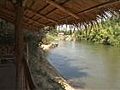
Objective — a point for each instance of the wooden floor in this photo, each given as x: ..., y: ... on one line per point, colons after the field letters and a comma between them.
x: 7, y: 76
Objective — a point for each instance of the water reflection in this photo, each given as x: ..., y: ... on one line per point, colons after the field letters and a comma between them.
x: 86, y: 65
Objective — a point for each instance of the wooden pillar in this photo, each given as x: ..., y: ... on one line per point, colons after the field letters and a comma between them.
x: 19, y: 44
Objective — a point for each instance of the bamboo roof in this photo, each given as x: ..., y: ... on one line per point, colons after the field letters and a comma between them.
x: 41, y: 13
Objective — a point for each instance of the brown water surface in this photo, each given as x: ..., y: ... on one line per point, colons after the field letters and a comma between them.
x: 88, y: 66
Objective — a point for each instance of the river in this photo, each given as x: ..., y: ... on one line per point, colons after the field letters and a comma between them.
x: 86, y: 65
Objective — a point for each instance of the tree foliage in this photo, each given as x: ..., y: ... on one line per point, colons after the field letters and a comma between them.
x: 108, y: 33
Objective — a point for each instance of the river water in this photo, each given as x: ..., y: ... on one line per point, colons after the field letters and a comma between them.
x: 87, y: 66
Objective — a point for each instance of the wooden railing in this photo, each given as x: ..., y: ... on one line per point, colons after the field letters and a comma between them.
x: 28, y: 81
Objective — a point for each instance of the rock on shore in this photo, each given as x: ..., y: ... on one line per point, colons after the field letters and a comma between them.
x: 47, y: 47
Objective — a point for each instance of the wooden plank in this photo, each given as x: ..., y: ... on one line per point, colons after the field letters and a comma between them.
x: 35, y: 13
x: 10, y: 17
x: 108, y: 3
x: 7, y: 15
x: 34, y: 21
x: 100, y: 6
x: 62, y: 8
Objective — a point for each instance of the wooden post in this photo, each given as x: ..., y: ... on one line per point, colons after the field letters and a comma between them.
x: 19, y: 44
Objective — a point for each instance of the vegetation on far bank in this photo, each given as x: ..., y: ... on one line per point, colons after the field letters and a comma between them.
x: 106, y: 32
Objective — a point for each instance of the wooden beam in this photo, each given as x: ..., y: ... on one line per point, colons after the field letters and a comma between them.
x: 62, y: 8
x: 19, y: 47
x: 56, y: 8
x: 34, y: 21
x: 94, y: 7
x: 35, y: 13
x: 100, y: 6
x: 7, y: 17
x: 43, y: 8
x: 8, y: 12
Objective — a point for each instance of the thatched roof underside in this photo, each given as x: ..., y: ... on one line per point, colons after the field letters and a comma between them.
x: 41, y: 13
